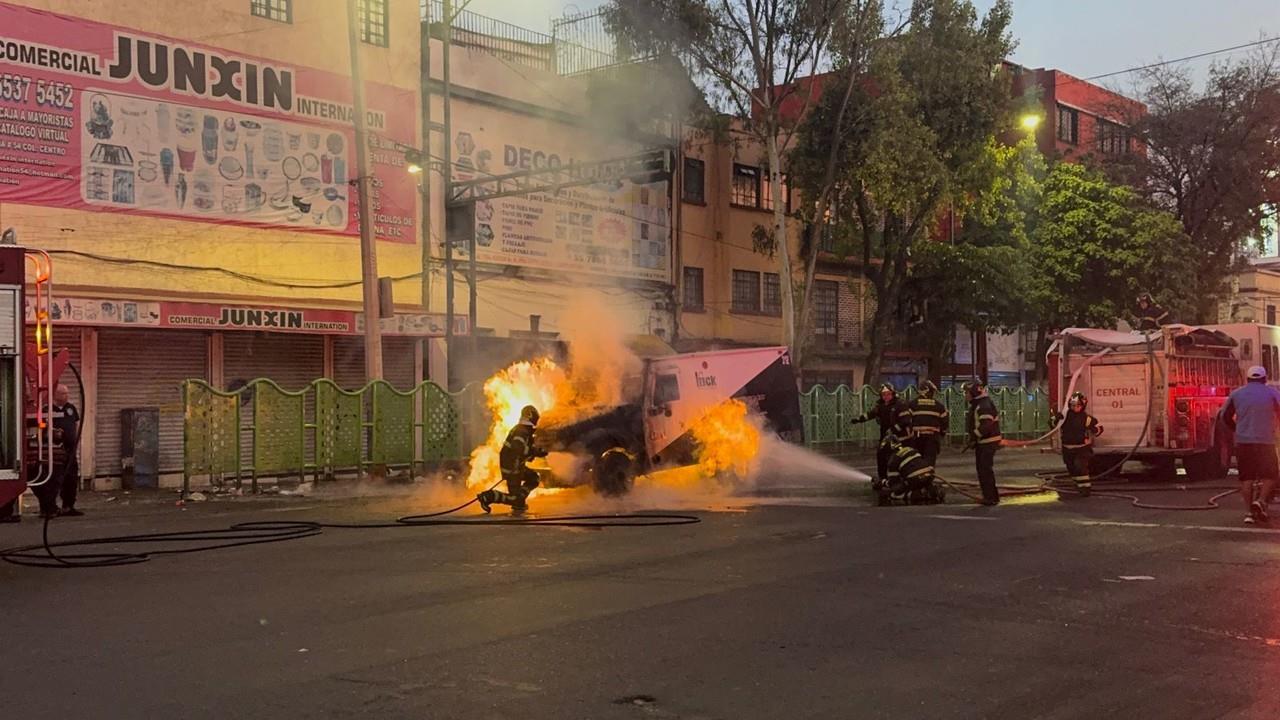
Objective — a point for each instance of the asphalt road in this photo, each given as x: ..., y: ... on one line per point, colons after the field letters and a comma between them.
x: 816, y: 607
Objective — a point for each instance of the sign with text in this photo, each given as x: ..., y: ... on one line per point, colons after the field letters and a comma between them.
x: 98, y: 117
x: 613, y: 228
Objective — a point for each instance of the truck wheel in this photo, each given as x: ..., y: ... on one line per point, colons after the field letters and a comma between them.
x: 1211, y: 464
x: 613, y: 473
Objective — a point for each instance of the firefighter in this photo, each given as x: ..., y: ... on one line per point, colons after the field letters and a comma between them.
x: 983, y: 426
x: 518, y: 449
x: 1150, y: 315
x: 1079, y: 428
x: 889, y: 412
x: 910, y: 476
x: 928, y: 419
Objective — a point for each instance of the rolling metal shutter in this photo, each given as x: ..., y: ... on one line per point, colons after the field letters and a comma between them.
x: 69, y: 338
x: 145, y: 368
x: 292, y: 361
x: 397, y: 362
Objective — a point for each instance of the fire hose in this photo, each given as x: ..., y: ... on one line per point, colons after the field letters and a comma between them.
x: 265, y: 532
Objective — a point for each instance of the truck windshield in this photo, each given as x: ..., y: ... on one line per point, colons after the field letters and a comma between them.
x: 666, y: 388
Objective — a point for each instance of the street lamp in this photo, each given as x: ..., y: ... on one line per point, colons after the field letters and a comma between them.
x: 1030, y: 122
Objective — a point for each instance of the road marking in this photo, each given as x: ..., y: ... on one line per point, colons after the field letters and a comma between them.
x: 1211, y: 528
x: 961, y: 517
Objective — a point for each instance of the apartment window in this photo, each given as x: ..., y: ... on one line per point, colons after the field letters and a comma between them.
x: 1068, y: 124
x: 766, y: 194
x: 693, y: 289
x: 771, y: 303
x: 695, y: 178
x: 1271, y: 314
x: 1113, y: 138
x: 746, y: 291
x: 826, y: 310
x: 278, y: 10
x: 372, y: 15
x: 746, y: 186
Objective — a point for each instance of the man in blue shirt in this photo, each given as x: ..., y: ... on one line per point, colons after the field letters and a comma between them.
x: 1253, y: 412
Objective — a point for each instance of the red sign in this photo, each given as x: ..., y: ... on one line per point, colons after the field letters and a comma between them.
x: 99, y: 117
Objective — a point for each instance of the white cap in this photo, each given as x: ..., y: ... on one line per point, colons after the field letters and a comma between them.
x: 1257, y: 372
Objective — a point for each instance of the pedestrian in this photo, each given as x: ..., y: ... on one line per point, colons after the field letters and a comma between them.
x: 929, y: 420
x: 1150, y: 315
x: 983, y: 427
x: 889, y: 413
x: 66, y: 466
x: 1079, y: 428
x: 1253, y: 412
x: 518, y: 450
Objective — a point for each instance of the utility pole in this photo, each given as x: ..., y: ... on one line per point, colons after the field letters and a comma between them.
x: 368, y: 248
x: 446, y: 41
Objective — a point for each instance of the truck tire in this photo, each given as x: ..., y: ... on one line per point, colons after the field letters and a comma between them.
x: 1212, y: 464
x: 613, y: 473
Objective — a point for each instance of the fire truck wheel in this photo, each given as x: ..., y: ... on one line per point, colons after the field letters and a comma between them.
x: 613, y: 473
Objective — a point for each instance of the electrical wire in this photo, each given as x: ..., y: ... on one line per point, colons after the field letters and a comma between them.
x: 223, y: 271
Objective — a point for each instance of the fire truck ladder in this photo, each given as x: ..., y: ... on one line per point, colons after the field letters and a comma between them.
x: 42, y: 389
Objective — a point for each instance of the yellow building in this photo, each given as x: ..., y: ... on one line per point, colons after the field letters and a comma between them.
x: 190, y: 167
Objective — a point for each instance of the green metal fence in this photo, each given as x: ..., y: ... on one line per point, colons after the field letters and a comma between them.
x: 323, y: 429
x: 1024, y: 413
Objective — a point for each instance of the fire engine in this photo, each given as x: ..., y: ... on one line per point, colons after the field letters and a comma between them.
x: 29, y: 370
x: 673, y: 392
x: 1159, y: 395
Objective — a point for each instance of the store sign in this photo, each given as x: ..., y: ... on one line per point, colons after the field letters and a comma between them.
x: 209, y: 316
x: 615, y: 227
x: 97, y: 117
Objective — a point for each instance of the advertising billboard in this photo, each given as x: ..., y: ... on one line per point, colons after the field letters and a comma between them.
x: 103, y: 118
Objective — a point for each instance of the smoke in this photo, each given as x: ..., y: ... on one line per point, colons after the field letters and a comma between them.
x: 600, y: 362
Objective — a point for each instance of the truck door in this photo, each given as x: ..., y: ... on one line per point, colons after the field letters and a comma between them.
x: 1118, y: 397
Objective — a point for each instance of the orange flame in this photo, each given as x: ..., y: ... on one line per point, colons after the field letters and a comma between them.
x: 537, y: 383
x: 727, y: 439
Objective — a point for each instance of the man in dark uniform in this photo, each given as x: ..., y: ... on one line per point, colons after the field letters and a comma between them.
x: 888, y: 412
x: 910, y: 476
x: 1079, y: 428
x: 66, y: 467
x: 929, y: 420
x: 516, y: 451
x: 1150, y: 315
x: 983, y: 426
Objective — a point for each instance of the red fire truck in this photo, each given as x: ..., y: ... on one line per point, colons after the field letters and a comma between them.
x: 29, y: 370
x: 1158, y: 395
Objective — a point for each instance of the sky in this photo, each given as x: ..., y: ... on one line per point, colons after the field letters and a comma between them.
x: 1081, y: 37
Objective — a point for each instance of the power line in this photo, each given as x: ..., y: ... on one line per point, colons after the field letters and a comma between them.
x: 1162, y: 63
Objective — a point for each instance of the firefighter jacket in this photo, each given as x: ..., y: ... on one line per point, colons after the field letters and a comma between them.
x: 1152, y: 317
x: 891, y: 416
x: 1078, y: 430
x: 983, y: 421
x: 927, y: 416
x: 905, y: 464
x: 518, y: 450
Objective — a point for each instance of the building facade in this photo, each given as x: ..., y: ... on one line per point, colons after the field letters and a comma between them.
x: 189, y: 167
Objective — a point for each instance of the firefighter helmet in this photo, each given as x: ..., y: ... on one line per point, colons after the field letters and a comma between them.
x: 1078, y: 397
x: 1145, y: 298
x: 529, y: 414
x: 974, y: 388
x: 927, y: 389
x: 890, y: 442
x: 886, y: 387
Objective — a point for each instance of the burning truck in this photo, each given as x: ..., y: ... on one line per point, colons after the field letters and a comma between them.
x: 677, y: 410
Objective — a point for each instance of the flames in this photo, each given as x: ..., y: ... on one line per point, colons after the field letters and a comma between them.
x: 540, y: 383
x: 728, y: 440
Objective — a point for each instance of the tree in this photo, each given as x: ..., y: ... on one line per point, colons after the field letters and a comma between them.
x: 1098, y: 245
x: 927, y: 110
x: 746, y: 56
x: 1210, y: 157
x: 982, y: 278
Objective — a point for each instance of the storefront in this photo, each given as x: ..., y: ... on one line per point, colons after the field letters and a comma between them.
x: 135, y: 354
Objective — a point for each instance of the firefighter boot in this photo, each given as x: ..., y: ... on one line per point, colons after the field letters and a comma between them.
x: 486, y: 501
